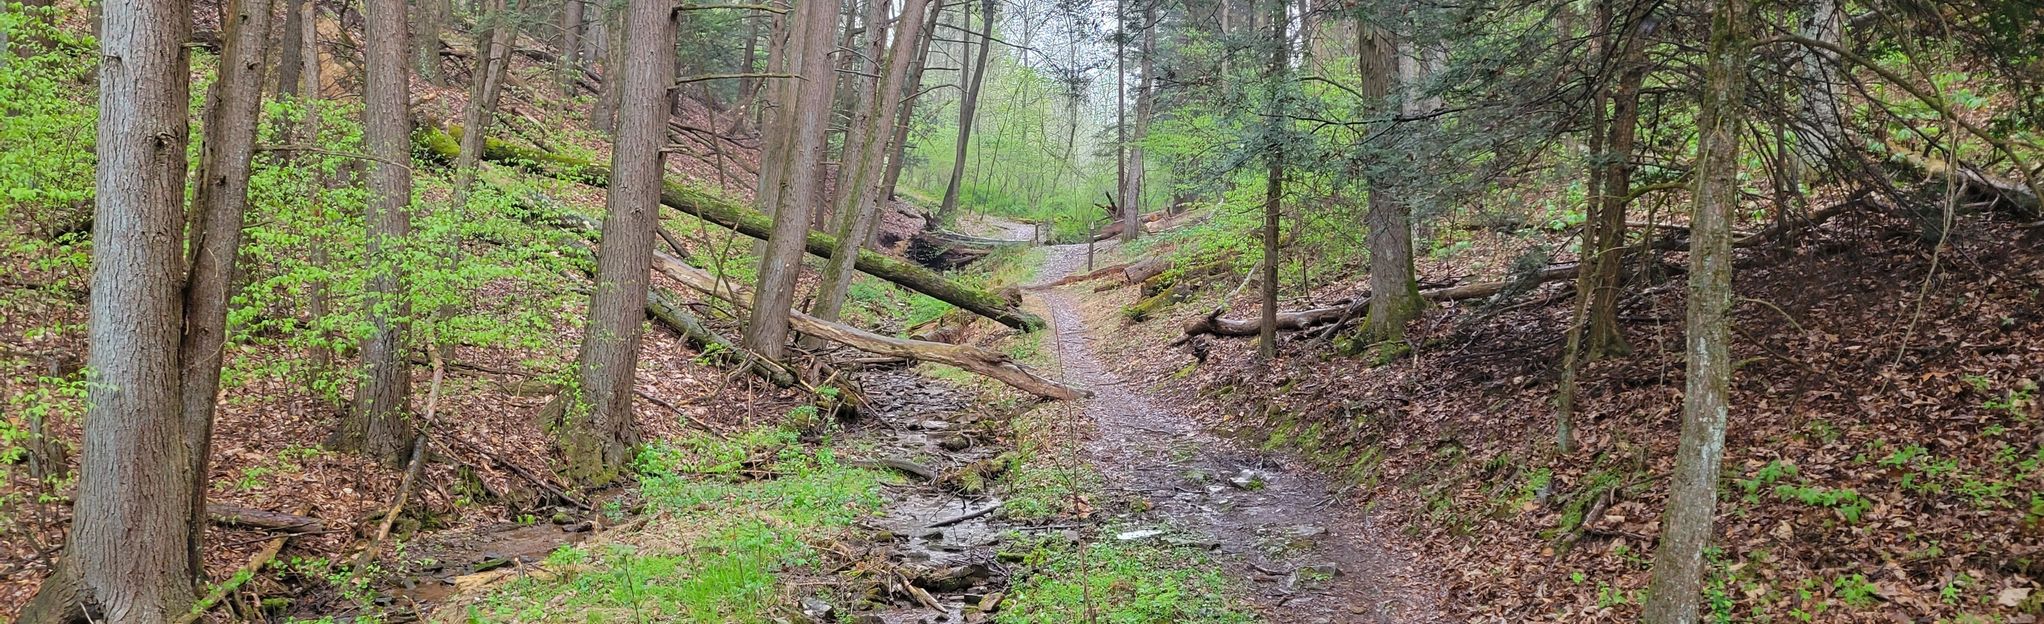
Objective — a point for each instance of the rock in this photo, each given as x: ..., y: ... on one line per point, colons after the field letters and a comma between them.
x: 934, y: 425
x: 817, y: 610
x: 931, y: 534
x: 954, y: 443
x: 1305, y: 531
x: 1249, y: 479
x: 1131, y: 536
x: 990, y: 603
x: 1312, y: 575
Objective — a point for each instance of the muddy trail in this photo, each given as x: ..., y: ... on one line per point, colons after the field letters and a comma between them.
x: 1302, y: 552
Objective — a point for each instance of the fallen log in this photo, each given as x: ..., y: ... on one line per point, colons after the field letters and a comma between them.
x: 238, y: 516
x: 1215, y: 324
x: 731, y: 214
x: 1145, y: 269
x: 1102, y: 272
x: 985, y: 362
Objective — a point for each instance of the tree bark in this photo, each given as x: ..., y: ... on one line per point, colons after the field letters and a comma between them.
x: 127, y: 560
x: 1602, y: 336
x: 730, y: 214
x: 379, y: 425
x: 599, y: 434
x: 1274, y: 187
x: 968, y: 108
x: 291, y: 47
x: 430, y: 18
x: 1133, y: 172
x: 864, y: 166
x: 914, y: 84
x: 218, y: 203
x: 807, y: 123
x: 493, y: 42
x: 571, y: 46
x: 603, y: 118
x: 1388, y: 220
x: 1677, y: 576
x: 1821, y: 130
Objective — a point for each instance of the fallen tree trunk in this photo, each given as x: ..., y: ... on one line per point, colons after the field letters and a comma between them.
x: 985, y: 362
x: 1145, y: 269
x: 662, y: 306
x: 1217, y: 325
x: 238, y: 516
x: 744, y: 220
x: 1102, y: 272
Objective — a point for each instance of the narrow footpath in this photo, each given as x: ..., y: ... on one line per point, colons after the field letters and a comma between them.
x: 1308, y: 556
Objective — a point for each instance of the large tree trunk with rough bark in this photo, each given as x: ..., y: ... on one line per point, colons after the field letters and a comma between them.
x: 968, y: 107
x: 1677, y: 576
x: 126, y: 559
x: 218, y: 203
x: 379, y: 424
x: 864, y: 163
x: 807, y: 122
x: 724, y: 212
x: 1395, y: 299
x: 599, y: 434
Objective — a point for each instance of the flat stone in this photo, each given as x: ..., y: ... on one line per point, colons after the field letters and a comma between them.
x: 1130, y: 536
x: 1249, y: 479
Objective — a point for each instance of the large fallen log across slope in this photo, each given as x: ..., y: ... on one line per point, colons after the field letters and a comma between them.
x: 731, y: 214
x: 986, y: 362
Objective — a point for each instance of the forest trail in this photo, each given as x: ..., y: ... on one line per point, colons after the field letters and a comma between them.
x: 1301, y: 556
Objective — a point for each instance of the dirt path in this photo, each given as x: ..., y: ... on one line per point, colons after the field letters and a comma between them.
x: 1280, y: 526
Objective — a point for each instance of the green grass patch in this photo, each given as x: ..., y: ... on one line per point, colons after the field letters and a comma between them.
x: 720, y: 546
x: 1119, y: 582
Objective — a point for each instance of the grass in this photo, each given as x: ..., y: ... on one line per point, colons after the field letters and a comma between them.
x: 719, y: 545
x: 1119, y: 582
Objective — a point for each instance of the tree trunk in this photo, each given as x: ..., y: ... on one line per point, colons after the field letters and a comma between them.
x: 431, y: 18
x: 775, y: 140
x: 218, y: 203
x: 903, y: 120
x: 724, y: 212
x: 1677, y: 577
x: 571, y: 46
x: 127, y: 560
x: 1274, y: 186
x: 603, y: 118
x: 599, y: 435
x: 291, y: 47
x: 992, y: 364
x: 493, y: 43
x: 1394, y: 288
x: 968, y: 108
x: 379, y: 425
x: 807, y: 123
x: 859, y: 192
x: 1602, y: 336
x: 1821, y: 131
x: 1133, y: 172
